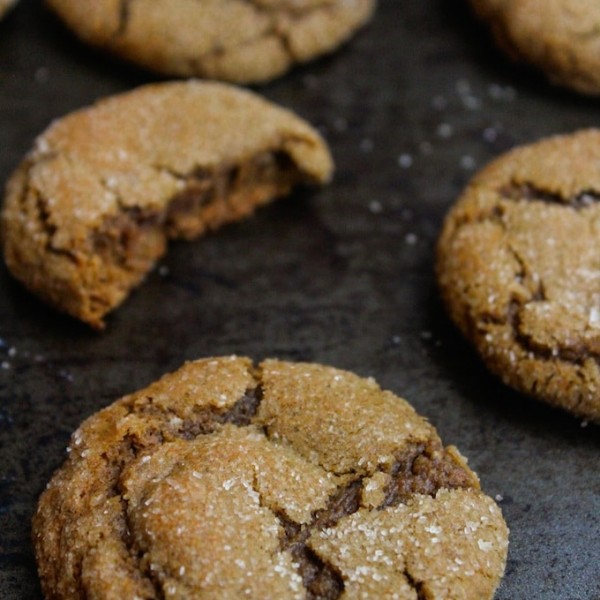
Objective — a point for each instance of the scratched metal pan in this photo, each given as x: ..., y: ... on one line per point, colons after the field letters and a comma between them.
x: 411, y: 107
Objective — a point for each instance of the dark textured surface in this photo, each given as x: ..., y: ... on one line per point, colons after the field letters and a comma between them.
x: 342, y: 276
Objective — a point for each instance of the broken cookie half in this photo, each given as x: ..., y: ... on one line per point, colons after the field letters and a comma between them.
x: 281, y: 480
x: 92, y: 207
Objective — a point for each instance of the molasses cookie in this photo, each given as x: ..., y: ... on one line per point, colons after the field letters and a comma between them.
x: 243, y: 41
x: 519, y: 269
x: 91, y: 208
x: 229, y: 480
x: 560, y: 37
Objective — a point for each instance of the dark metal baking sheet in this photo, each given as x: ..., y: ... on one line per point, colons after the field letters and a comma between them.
x: 341, y: 275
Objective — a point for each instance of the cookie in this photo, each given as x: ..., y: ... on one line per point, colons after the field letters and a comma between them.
x: 243, y: 41
x: 560, y: 37
x: 282, y: 480
x: 519, y: 271
x: 91, y: 208
x: 5, y: 5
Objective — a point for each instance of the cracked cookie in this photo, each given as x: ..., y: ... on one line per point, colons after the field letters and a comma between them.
x: 244, y: 41
x: 519, y: 270
x: 279, y: 480
x: 560, y: 37
x: 91, y: 208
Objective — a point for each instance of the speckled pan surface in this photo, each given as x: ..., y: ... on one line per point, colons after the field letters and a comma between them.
x: 273, y: 480
x: 342, y: 276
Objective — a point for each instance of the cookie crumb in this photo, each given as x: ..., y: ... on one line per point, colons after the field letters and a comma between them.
x: 375, y: 207
x: 445, y: 131
x: 439, y: 102
x: 366, y: 145
x: 471, y: 102
x: 340, y: 124
x: 502, y: 93
x: 490, y: 134
x: 41, y: 75
x: 425, y: 147
x: 405, y: 160
x: 467, y: 162
x: 463, y: 87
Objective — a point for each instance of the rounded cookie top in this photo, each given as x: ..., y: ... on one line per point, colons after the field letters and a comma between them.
x: 90, y: 209
x: 560, y: 37
x: 281, y: 480
x: 243, y: 41
x: 519, y: 270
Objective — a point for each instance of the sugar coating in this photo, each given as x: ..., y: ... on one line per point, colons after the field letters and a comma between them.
x: 226, y: 479
x: 519, y: 272
x: 442, y: 544
x: 92, y: 207
x: 235, y: 40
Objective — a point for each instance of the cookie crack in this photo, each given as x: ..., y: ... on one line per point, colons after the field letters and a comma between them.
x: 291, y: 11
x: 529, y: 192
x: 576, y: 355
x: 146, y: 570
x: 424, y: 469
x: 116, y: 460
x: 282, y: 16
x: 124, y: 17
x: 416, y: 585
x: 204, y: 419
x: 48, y: 229
x: 320, y: 578
x: 277, y: 29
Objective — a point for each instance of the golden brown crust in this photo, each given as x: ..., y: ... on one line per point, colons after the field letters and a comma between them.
x: 92, y: 207
x: 560, y: 37
x: 283, y: 480
x: 519, y: 272
x: 243, y: 41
